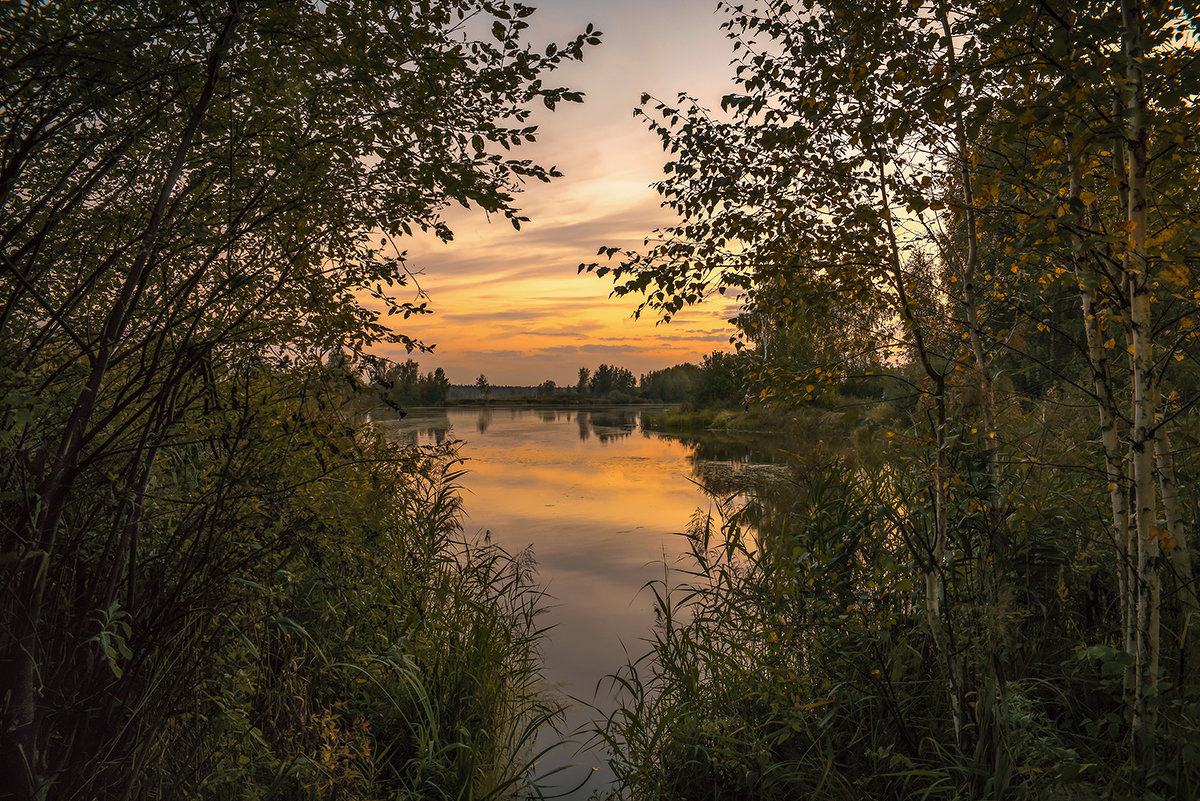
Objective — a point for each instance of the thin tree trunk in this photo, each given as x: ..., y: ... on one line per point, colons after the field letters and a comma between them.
x: 991, y: 753
x: 1147, y: 647
x: 20, y: 757
x: 935, y: 590
x: 1088, y: 280
x: 1181, y: 559
x: 1129, y: 532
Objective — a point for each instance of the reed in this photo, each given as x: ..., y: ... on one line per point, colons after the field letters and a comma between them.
x: 794, y: 657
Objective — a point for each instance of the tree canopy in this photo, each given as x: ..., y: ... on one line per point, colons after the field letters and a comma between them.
x: 192, y: 194
x: 993, y: 204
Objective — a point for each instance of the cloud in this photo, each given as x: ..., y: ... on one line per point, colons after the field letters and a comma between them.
x: 509, y: 303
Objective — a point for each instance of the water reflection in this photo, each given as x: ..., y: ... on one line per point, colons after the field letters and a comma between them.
x: 433, y: 424
x: 734, y: 446
x: 426, y: 426
x: 610, y: 425
x: 601, y: 509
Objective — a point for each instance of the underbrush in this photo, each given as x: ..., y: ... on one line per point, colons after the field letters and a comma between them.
x: 683, y: 418
x: 385, y: 655
x: 796, y: 654
x: 302, y: 618
x: 808, y: 423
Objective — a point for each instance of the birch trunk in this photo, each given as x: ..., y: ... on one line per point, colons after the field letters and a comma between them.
x: 1088, y: 279
x: 1128, y: 533
x: 1147, y: 648
x: 1181, y: 559
x: 990, y: 753
x: 935, y: 590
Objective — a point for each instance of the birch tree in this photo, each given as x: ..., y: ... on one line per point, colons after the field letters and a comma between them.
x: 865, y: 137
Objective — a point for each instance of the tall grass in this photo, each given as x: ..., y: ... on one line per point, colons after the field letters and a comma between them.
x: 381, y: 654
x: 762, y: 676
x: 793, y: 656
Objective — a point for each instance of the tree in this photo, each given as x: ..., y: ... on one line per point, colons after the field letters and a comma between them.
x: 931, y: 184
x: 585, y: 377
x: 485, y: 389
x: 187, y: 193
x: 610, y: 378
x: 673, y: 385
x: 720, y: 379
x: 438, y: 386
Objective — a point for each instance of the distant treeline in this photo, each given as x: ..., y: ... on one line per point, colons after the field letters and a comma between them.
x: 715, y: 381
x: 402, y: 384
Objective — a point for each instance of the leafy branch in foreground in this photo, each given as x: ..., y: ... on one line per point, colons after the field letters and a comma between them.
x: 192, y: 195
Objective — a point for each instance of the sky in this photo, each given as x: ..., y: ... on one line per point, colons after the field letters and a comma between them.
x: 509, y: 304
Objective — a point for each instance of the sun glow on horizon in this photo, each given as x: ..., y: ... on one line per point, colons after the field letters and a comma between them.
x: 510, y: 304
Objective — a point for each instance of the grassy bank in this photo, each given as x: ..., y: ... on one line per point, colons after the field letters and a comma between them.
x: 386, y: 656
x: 798, y: 651
x: 761, y: 419
x: 305, y: 618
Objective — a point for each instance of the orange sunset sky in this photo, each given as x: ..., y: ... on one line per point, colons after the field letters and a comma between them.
x: 508, y: 303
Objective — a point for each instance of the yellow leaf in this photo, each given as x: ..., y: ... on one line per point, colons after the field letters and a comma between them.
x: 1110, y: 344
x: 1087, y: 198
x: 1177, y: 274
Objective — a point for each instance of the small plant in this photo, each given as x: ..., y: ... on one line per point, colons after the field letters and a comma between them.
x: 116, y: 628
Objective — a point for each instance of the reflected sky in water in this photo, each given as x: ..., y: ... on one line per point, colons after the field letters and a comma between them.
x: 598, y: 500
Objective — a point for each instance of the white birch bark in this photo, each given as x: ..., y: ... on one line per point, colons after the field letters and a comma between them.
x: 1147, y: 648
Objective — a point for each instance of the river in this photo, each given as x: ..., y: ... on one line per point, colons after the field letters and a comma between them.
x: 601, y: 504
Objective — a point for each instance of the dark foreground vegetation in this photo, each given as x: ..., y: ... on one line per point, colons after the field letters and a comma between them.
x: 982, y: 216
x: 215, y: 582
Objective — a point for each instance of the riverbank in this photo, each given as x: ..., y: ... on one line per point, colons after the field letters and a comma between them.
x: 566, y: 401
x: 791, y: 422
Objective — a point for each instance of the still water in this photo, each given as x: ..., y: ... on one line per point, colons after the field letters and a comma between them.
x: 601, y: 504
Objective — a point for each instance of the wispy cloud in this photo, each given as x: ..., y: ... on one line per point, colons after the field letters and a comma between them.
x: 509, y: 303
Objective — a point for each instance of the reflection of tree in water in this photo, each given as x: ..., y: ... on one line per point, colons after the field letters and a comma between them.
x: 424, y: 425
x: 611, y: 425
x: 409, y: 438
x: 435, y: 426
x: 747, y: 474
x: 754, y: 498
x: 735, y: 447
x: 759, y: 483
x: 483, y: 421
x: 585, y: 430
